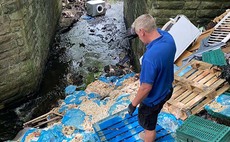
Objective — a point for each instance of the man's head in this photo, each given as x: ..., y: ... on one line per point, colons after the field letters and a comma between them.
x: 145, y: 26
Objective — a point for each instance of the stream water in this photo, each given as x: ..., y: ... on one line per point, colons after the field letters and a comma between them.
x: 77, y: 57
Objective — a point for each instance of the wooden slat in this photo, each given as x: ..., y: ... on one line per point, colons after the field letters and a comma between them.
x: 184, y: 95
x: 206, y: 79
x: 176, y: 103
x: 216, y: 84
x: 210, y: 82
x: 197, y: 73
x: 184, y: 67
x: 198, y: 98
x: 201, y: 76
x: 189, y: 84
x: 175, y: 89
x: 223, y: 89
x: 200, y: 106
x: 202, y: 65
x: 189, y: 73
x: 179, y: 92
x: 183, y: 82
x: 190, y: 97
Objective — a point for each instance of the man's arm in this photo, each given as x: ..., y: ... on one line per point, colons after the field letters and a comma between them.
x: 142, y: 93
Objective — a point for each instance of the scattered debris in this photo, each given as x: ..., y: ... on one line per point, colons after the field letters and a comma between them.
x: 49, y: 117
x: 72, y: 11
x: 225, y: 72
x: 80, y: 109
x: 220, y: 107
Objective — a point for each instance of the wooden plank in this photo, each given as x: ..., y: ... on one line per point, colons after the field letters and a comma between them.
x: 206, y: 79
x: 183, y: 82
x: 42, y: 123
x: 188, y: 84
x: 178, y: 93
x: 177, y: 112
x: 190, y: 97
x: 186, y: 75
x: 200, y: 106
x: 223, y: 89
x: 184, y: 67
x: 35, y: 120
x: 201, y: 65
x: 197, y: 73
x: 176, y: 88
x: 201, y: 76
x: 184, y: 95
x: 210, y: 82
x: 216, y: 84
x: 200, y: 87
x: 198, y: 98
x: 176, y: 103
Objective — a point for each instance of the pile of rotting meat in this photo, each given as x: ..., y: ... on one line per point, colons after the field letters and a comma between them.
x: 81, y: 109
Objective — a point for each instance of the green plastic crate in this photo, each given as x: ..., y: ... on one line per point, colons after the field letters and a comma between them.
x: 215, y: 57
x: 197, y: 129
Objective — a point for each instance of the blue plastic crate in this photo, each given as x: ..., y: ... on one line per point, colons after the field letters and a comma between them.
x: 121, y: 127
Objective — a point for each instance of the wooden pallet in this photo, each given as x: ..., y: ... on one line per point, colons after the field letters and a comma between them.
x: 195, y: 85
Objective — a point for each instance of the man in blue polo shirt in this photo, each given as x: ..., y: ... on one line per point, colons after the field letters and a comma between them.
x: 156, y: 75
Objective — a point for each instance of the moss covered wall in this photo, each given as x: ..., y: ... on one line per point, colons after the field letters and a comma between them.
x: 27, y: 28
x: 200, y: 12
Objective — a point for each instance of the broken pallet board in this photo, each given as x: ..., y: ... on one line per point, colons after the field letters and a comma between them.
x: 44, y: 119
x: 195, y: 85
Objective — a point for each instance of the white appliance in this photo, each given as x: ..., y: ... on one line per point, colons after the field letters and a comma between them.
x: 183, y: 32
x: 95, y: 7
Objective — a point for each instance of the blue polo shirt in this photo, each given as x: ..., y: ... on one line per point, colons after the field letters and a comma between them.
x: 157, y: 67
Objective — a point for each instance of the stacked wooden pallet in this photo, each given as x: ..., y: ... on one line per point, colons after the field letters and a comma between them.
x: 195, y: 85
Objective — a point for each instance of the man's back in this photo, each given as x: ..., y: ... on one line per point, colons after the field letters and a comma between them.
x: 157, y: 67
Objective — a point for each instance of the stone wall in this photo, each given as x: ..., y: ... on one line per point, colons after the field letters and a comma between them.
x: 200, y: 12
x: 27, y: 28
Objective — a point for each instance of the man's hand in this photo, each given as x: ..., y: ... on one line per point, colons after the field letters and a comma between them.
x: 131, y: 109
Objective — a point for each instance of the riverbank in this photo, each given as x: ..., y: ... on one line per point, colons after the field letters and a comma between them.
x: 81, y: 109
x: 64, y: 67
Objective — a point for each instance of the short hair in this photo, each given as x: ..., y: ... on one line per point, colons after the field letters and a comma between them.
x: 146, y: 22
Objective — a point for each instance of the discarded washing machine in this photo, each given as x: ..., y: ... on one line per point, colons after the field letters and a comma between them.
x: 95, y: 7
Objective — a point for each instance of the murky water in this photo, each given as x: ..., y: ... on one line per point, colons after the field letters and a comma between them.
x: 78, y: 59
x: 96, y: 42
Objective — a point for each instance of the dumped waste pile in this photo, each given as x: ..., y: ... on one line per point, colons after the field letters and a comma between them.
x: 74, y: 117
x: 81, y: 109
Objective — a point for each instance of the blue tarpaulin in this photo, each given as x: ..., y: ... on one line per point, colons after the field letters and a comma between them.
x: 74, y: 117
x: 116, y: 80
x: 224, y: 101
